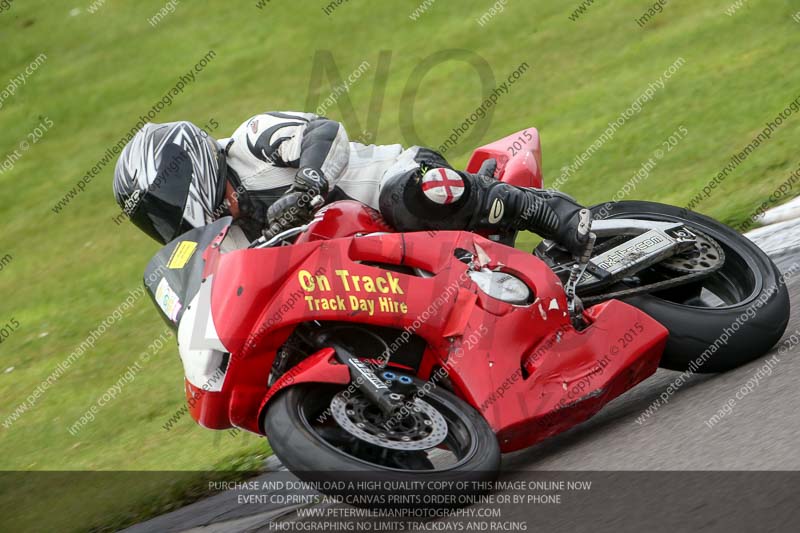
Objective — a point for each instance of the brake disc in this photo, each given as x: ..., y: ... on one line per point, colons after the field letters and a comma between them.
x: 706, y: 255
x: 423, y: 428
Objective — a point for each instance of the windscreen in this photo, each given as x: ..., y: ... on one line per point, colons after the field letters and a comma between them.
x: 173, y: 275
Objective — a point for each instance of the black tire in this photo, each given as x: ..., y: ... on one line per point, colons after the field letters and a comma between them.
x: 693, y: 329
x: 303, y: 451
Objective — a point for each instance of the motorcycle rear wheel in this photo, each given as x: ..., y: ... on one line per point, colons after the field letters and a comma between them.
x: 731, y: 317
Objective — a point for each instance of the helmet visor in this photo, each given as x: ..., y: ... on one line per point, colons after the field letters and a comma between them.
x: 159, y: 211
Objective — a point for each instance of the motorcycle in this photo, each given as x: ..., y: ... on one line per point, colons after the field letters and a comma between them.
x: 358, y: 350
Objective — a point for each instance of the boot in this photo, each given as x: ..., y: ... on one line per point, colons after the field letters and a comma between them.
x: 550, y: 214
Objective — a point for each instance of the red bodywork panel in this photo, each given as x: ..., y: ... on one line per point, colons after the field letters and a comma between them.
x: 519, y: 158
x: 525, y: 368
x: 528, y: 371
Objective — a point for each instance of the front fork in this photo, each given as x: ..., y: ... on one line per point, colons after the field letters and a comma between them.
x: 389, y: 400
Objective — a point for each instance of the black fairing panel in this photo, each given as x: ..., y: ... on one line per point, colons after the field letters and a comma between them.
x: 174, y: 274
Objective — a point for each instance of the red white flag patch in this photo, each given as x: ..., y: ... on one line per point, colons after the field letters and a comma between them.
x: 442, y: 185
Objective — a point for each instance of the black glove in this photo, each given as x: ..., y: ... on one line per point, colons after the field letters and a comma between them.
x: 297, y: 205
x: 290, y: 210
x: 310, y: 180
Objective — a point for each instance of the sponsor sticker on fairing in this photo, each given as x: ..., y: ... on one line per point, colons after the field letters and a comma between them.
x: 181, y: 254
x: 167, y: 299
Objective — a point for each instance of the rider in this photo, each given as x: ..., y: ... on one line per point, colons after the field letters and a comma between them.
x: 172, y: 177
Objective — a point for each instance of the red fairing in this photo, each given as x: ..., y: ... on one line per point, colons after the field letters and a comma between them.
x: 519, y: 158
x: 344, y: 219
x: 523, y: 367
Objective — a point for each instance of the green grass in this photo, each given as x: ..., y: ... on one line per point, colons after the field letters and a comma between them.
x: 70, y: 270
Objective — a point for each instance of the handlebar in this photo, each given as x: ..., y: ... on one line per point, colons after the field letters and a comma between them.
x: 277, y: 232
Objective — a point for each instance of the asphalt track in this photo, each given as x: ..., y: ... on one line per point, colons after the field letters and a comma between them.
x: 651, y: 474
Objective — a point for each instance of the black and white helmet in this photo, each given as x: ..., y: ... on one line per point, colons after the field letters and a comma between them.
x: 169, y: 179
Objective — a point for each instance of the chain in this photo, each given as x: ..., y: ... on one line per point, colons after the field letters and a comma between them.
x: 652, y: 287
x: 669, y: 283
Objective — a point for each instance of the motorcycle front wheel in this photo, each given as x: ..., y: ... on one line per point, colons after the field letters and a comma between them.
x: 355, y: 445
